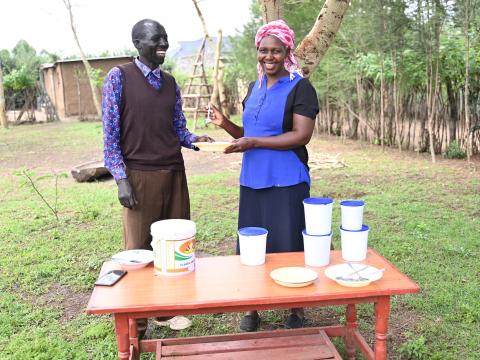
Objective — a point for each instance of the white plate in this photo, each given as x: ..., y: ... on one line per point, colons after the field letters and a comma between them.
x: 213, y: 146
x: 293, y: 276
x: 133, y: 259
x: 344, y: 271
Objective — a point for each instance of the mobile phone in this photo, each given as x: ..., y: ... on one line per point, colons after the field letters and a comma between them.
x: 110, y: 278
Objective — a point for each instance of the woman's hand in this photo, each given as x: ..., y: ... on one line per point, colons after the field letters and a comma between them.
x: 215, y: 116
x: 240, y: 145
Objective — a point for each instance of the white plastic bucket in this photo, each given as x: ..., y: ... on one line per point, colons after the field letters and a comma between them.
x: 173, y: 243
x: 352, y: 214
x: 318, y: 215
x: 253, y: 245
x: 354, y: 243
x: 316, y: 249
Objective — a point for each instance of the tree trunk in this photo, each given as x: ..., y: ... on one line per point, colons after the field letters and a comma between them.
x: 469, y: 134
x: 314, y: 46
x: 452, y: 101
x: 382, y: 107
x: 354, y: 132
x: 395, y: 103
x: 433, y: 102
x: 88, y: 68
x: 3, y: 115
x: 271, y: 10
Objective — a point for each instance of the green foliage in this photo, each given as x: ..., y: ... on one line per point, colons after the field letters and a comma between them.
x: 415, y: 349
x: 20, y: 79
x: 454, y: 151
x: 21, y: 69
x: 97, y: 75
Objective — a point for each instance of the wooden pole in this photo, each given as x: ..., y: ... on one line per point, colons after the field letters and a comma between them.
x: 3, y: 115
x: 214, y: 99
x: 215, y: 95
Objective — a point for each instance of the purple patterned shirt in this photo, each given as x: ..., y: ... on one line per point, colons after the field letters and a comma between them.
x: 111, y: 102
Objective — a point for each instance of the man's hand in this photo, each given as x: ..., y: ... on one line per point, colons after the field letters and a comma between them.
x: 204, y: 138
x: 125, y: 194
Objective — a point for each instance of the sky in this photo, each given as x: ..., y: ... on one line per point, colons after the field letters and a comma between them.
x: 106, y: 24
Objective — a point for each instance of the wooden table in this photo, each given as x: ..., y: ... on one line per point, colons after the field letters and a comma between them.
x: 223, y: 284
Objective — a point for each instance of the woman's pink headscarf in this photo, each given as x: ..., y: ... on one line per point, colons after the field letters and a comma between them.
x: 282, y: 32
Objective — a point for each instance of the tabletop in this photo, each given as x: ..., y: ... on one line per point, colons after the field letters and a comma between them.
x: 222, y: 281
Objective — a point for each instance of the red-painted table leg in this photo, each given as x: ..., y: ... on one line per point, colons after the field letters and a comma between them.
x: 123, y: 338
x: 351, y: 316
x: 382, y: 313
x: 134, y: 341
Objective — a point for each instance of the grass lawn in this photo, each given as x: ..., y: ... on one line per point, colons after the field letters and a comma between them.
x: 424, y: 218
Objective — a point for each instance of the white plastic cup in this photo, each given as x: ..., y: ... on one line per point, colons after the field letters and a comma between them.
x: 352, y: 214
x: 318, y: 216
x: 316, y: 249
x: 253, y: 245
x: 354, y: 243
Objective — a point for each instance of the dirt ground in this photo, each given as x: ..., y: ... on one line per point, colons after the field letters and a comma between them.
x: 54, y: 156
x: 46, y: 157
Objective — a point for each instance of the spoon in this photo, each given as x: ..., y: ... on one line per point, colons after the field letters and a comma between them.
x: 356, y: 272
x: 360, y: 278
x: 126, y: 261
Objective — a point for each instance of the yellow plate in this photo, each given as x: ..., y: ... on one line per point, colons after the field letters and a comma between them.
x: 293, y: 284
x: 294, y: 276
x: 213, y: 146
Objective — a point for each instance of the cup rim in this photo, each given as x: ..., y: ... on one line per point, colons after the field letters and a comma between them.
x: 364, y: 228
x: 352, y: 203
x: 254, y: 231
x: 304, y: 232
x: 318, y: 201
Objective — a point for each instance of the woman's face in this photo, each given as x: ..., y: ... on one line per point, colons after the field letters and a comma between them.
x: 271, y: 54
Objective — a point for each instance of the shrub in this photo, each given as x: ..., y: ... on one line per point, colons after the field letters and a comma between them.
x: 414, y: 349
x: 454, y: 151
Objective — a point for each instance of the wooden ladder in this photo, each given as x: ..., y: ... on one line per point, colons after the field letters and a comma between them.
x: 197, y: 91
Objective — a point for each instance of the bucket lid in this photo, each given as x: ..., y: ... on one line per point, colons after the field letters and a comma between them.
x: 173, y: 229
x: 252, y: 231
x: 352, y: 203
x: 318, y: 201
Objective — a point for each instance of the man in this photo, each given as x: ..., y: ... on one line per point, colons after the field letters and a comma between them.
x: 144, y: 129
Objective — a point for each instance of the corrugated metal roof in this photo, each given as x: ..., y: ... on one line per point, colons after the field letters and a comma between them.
x: 44, y: 66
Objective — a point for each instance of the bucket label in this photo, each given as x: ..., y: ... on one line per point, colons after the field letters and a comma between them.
x: 179, y: 256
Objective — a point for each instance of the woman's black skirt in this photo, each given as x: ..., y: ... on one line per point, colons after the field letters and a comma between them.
x: 277, y: 209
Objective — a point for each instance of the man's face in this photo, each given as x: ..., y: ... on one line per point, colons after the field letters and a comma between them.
x: 153, y: 43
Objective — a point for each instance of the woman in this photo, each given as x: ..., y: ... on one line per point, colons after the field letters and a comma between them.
x: 278, y: 121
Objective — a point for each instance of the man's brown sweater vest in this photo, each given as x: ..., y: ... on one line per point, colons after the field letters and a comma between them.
x: 148, y: 138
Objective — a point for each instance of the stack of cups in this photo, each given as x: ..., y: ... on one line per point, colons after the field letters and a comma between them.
x: 317, y: 235
x: 353, y: 232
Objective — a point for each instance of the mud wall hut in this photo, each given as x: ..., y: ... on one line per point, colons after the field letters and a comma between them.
x: 66, y: 84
